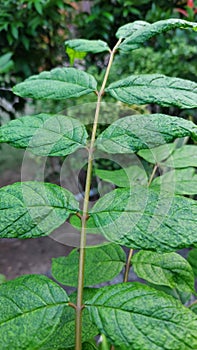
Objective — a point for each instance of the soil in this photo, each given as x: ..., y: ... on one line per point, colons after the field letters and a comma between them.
x: 18, y: 257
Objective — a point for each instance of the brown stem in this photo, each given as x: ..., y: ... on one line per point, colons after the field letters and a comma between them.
x: 128, y: 265
x: 194, y: 303
x: 153, y: 174
x: 84, y: 217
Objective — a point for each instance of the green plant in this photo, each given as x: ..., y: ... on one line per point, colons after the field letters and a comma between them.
x: 38, y: 26
x: 151, y: 215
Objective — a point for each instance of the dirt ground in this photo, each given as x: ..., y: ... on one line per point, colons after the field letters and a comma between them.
x: 29, y: 256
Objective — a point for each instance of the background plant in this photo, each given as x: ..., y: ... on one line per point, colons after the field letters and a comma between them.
x: 144, y: 212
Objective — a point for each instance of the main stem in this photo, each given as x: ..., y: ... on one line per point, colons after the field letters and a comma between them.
x: 79, y: 306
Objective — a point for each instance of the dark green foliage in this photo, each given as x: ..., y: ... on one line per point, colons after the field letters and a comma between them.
x: 148, y: 211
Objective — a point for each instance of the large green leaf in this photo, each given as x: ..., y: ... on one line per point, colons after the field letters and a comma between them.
x: 128, y: 29
x: 155, y: 88
x: 140, y: 36
x: 141, y: 317
x: 192, y: 258
x: 45, y: 134
x: 124, y: 177
x: 102, y: 264
x: 183, y: 157
x: 179, y: 181
x: 33, y: 209
x: 65, y: 335
x: 32, y: 307
x: 168, y: 269
x: 147, y: 219
x: 83, y: 45
x: 57, y: 84
x: 136, y: 132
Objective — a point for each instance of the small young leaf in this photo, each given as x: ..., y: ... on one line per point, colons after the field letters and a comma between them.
x: 133, y: 133
x: 2, y: 278
x: 45, y: 134
x: 147, y: 219
x: 128, y: 29
x: 143, y: 34
x: 57, y: 84
x: 183, y: 157
x: 83, y: 45
x: 180, y: 181
x: 192, y: 258
x: 73, y: 55
x: 64, y: 337
x: 157, y: 154
x: 155, y: 88
x: 32, y: 307
x: 141, y: 317
x: 168, y: 269
x: 34, y: 209
x: 102, y: 264
x: 124, y: 177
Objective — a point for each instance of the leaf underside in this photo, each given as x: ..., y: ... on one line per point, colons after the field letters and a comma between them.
x: 147, y: 31
x: 83, y: 45
x: 179, y: 181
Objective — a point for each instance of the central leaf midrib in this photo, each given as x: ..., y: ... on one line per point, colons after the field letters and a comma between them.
x: 47, y: 306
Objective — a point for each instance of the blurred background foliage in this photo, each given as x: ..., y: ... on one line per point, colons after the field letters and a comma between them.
x: 32, y: 35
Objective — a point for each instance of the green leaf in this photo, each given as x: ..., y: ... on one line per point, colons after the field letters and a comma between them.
x: 183, y: 297
x: 6, y: 64
x: 89, y: 345
x: 73, y: 55
x: 83, y: 45
x: 45, y: 134
x: 128, y: 29
x: 141, y: 317
x: 32, y: 307
x: 155, y: 88
x: 65, y: 334
x: 102, y: 264
x: 136, y: 132
x: 124, y: 177
x: 38, y: 7
x: 143, y: 34
x: 147, y: 219
x: 157, y: 154
x: 183, y: 157
x: 192, y: 258
x: 2, y: 279
x: 57, y: 84
x: 168, y: 269
x: 194, y: 308
x: 180, y: 181
x: 33, y: 209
